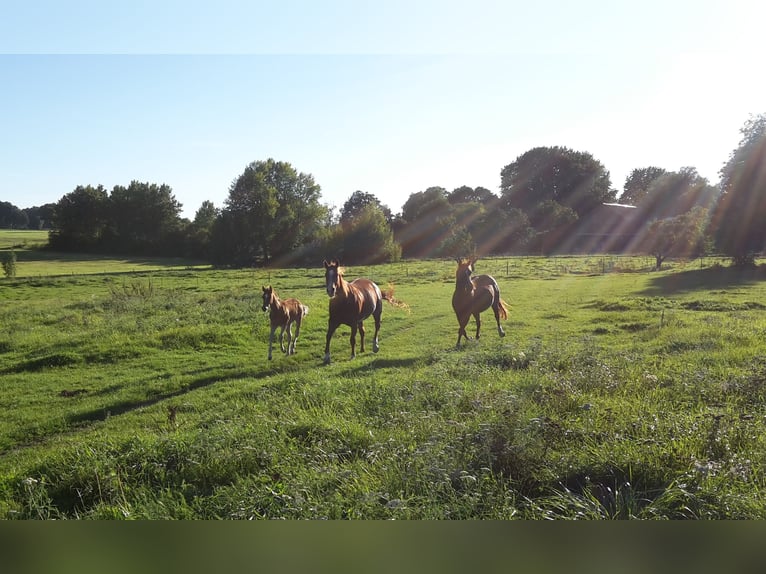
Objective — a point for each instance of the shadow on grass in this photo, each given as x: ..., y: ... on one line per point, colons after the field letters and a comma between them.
x: 128, y: 405
x: 347, y: 367
x: 709, y: 278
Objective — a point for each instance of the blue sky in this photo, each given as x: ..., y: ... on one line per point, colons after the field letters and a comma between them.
x: 389, y: 98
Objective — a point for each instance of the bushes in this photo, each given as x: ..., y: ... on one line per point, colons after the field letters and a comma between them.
x: 9, y: 263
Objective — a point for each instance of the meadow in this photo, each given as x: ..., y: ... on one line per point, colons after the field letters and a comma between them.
x: 618, y: 393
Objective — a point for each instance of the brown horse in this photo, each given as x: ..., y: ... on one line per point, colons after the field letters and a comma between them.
x: 283, y: 314
x: 474, y: 295
x: 350, y: 304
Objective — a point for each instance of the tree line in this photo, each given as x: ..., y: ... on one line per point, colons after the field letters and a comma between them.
x: 552, y: 200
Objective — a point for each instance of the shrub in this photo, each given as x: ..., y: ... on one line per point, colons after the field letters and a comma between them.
x: 9, y: 263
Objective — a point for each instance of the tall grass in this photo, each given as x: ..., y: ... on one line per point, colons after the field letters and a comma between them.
x: 616, y: 395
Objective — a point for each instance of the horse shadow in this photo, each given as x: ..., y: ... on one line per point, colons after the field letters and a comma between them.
x: 103, y: 412
x: 704, y: 279
x: 374, y: 364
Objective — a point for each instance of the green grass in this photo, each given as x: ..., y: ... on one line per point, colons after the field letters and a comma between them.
x: 22, y: 238
x: 617, y: 393
x: 34, y: 261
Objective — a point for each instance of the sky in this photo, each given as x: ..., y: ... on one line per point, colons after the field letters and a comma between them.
x: 389, y: 97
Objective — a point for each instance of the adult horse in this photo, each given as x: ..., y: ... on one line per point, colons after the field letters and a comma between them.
x: 350, y: 304
x: 282, y: 314
x: 474, y: 294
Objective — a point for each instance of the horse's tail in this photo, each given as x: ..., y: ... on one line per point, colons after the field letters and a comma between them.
x: 305, y: 310
x: 388, y: 295
x: 503, y: 307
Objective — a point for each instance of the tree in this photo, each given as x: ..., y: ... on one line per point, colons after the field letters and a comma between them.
x: 366, y: 239
x: 465, y: 194
x: 199, y: 232
x: 680, y: 236
x: 79, y: 219
x: 8, y: 259
x: 206, y: 215
x: 421, y: 231
x: 738, y: 218
x: 637, y: 184
x: 271, y: 210
x: 674, y: 193
x: 11, y: 217
x: 40, y: 217
x: 553, y: 222
x: 358, y: 201
x: 574, y: 180
x: 143, y: 218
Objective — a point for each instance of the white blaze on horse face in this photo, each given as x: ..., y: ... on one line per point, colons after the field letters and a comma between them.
x: 330, y: 278
x: 266, y: 300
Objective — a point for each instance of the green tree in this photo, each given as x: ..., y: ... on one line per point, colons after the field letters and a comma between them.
x: 679, y: 236
x: 572, y: 179
x: 366, y: 239
x: 40, y: 217
x: 358, y: 201
x: 421, y: 229
x: 80, y: 219
x: 457, y: 242
x: 738, y: 218
x: 466, y: 194
x: 271, y: 211
x: 200, y: 231
x: 9, y: 263
x: 143, y: 218
x: 637, y: 184
x: 206, y: 215
x: 676, y: 192
x: 11, y: 217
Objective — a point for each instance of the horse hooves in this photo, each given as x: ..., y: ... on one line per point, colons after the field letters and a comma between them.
x: 502, y: 333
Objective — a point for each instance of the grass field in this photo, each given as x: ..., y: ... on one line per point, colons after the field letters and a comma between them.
x: 617, y: 393
x: 32, y: 261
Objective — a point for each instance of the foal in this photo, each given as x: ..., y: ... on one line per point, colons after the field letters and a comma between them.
x: 350, y: 304
x: 472, y: 296
x: 283, y: 314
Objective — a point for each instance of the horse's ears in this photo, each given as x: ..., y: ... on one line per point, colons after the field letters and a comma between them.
x: 326, y: 265
x: 263, y: 288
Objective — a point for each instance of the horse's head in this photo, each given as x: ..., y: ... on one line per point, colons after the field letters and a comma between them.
x: 332, y: 276
x: 463, y: 273
x: 268, y: 293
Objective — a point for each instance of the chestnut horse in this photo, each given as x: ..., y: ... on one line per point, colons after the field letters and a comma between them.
x: 474, y: 295
x: 283, y: 314
x: 350, y: 304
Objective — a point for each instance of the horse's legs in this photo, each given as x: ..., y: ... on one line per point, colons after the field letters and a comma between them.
x: 290, y: 346
x: 462, y: 322
x: 477, y: 317
x: 271, y: 339
x: 354, y: 329
x: 297, y: 332
x: 282, y: 338
x: 376, y: 316
x: 331, y: 327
